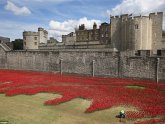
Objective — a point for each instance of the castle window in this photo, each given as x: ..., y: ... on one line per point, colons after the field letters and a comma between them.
x: 159, y: 52
x: 136, y: 26
x: 25, y: 43
x: 35, y: 43
x: 35, y: 38
x: 24, y: 38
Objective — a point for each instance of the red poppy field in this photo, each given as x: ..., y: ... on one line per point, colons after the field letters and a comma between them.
x: 104, y: 93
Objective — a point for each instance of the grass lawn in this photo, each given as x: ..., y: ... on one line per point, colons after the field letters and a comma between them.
x: 135, y: 87
x: 29, y: 109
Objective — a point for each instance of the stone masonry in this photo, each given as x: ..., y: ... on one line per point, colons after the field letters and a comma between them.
x: 80, y: 61
x: 138, y: 32
x: 124, y: 32
x: 31, y: 40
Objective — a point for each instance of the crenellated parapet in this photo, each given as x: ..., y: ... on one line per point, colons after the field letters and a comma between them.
x: 29, y: 33
x: 155, y: 14
x: 136, y: 17
x: 42, y: 30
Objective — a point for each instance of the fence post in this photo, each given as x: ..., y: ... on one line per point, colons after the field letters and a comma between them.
x: 61, y: 66
x: 157, y: 70
x: 93, y: 68
x: 119, y: 65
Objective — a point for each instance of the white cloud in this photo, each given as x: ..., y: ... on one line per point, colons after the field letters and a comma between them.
x: 139, y: 7
x: 17, y: 10
x: 62, y: 28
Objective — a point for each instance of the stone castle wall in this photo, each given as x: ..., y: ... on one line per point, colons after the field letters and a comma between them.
x: 137, y: 33
x: 3, y: 59
x: 80, y: 61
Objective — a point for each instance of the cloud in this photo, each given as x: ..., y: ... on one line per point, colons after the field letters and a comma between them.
x: 139, y: 7
x: 14, y: 30
x: 17, y: 10
x: 56, y: 28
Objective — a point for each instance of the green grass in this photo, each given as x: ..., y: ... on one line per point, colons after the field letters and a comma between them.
x: 135, y: 87
x: 26, y: 109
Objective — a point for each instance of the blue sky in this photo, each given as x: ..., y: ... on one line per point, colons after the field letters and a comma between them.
x: 63, y: 16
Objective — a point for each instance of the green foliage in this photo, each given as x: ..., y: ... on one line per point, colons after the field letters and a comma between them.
x: 18, y: 44
x: 163, y: 33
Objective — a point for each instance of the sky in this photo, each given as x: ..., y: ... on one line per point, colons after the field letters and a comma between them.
x: 63, y: 16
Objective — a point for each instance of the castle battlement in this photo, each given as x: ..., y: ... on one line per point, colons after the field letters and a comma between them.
x: 30, y: 33
x: 159, y: 13
x: 155, y: 14
x: 124, y: 15
x: 138, y: 16
x: 42, y: 30
x: 115, y: 17
x: 132, y: 17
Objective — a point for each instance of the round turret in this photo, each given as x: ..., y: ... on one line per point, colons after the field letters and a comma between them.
x: 94, y: 25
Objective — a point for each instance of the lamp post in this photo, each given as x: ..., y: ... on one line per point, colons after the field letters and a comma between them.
x: 61, y: 66
x: 157, y: 70
x: 93, y: 68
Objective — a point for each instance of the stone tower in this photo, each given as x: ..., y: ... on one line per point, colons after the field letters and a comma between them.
x: 156, y: 30
x: 115, y: 32
x: 94, y: 26
x: 137, y: 33
x: 43, y: 35
x: 31, y: 40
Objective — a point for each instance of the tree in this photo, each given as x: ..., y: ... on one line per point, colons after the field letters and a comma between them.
x: 163, y: 33
x: 17, y: 44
